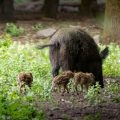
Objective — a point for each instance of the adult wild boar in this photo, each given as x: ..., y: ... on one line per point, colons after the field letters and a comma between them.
x: 73, y: 49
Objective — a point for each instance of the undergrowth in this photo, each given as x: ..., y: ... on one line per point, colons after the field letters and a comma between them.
x: 16, y: 58
x: 14, y: 30
x: 111, y: 66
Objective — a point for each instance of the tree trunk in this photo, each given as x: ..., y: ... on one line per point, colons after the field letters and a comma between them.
x: 50, y: 8
x: 88, y: 7
x: 112, y: 22
x: 6, y: 10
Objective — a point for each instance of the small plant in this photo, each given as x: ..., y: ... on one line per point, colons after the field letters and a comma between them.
x: 19, y: 109
x: 93, y: 95
x: 112, y: 91
x: 109, y: 94
x: 38, y: 27
x: 13, y: 30
x: 13, y: 60
x: 5, y: 41
x: 111, y: 66
x: 113, y: 87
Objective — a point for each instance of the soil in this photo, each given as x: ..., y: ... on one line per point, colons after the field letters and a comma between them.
x: 88, y: 25
x: 75, y: 107
x: 100, y: 112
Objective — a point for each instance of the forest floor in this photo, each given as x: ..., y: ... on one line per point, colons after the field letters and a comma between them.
x: 75, y: 107
x: 69, y: 106
x: 90, y: 25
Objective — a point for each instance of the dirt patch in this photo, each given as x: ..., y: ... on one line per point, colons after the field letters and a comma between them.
x: 88, y: 25
x: 101, y: 112
x: 75, y: 107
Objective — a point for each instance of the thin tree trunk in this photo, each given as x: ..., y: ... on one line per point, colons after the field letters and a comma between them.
x: 6, y: 10
x: 88, y: 7
x: 112, y: 22
x: 50, y: 8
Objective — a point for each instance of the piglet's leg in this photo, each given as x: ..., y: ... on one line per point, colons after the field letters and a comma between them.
x: 66, y: 88
x: 59, y: 87
x: 63, y: 90
x: 82, y: 87
x: 54, y: 59
x: 75, y: 87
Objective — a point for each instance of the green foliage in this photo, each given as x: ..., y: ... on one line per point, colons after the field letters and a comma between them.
x: 113, y: 87
x: 18, y: 58
x: 5, y: 41
x: 38, y: 27
x: 13, y: 30
x: 93, y: 95
x: 19, y: 109
x: 112, y: 91
x: 111, y: 66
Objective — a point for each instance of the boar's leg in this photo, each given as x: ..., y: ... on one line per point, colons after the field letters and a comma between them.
x: 64, y: 58
x: 54, y: 59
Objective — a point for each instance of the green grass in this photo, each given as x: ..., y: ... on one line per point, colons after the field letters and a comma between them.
x: 16, y: 58
x: 111, y: 66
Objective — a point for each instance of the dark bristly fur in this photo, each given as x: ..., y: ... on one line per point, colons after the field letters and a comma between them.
x: 73, y: 49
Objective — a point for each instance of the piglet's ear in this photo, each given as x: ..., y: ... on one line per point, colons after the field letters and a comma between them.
x: 92, y: 75
x: 30, y: 74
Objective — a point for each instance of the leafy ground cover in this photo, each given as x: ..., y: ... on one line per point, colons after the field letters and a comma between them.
x: 16, y: 58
